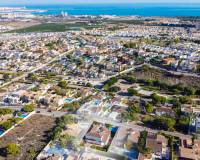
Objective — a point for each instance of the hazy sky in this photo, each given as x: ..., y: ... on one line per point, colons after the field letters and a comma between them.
x: 2, y: 2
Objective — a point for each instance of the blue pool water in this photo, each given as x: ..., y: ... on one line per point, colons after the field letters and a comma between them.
x: 57, y: 150
x: 132, y: 154
x: 23, y: 116
x: 97, y: 102
x: 68, y: 100
x: 113, y: 129
x: 1, y: 132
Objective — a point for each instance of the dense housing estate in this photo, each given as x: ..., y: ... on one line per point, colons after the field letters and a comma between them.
x: 99, y: 87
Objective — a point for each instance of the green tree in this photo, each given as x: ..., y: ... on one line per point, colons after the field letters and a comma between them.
x: 62, y: 84
x: 142, y: 143
x: 189, y: 91
x: 194, y: 137
x: 134, y: 108
x: 4, y: 111
x: 6, y: 76
x: 184, y: 99
x: 129, y: 79
x: 89, y: 85
x: 163, y: 122
x: 61, y: 123
x: 72, y: 107
x: 28, y: 108
x: 155, y: 98
x: 67, y: 119
x: 132, y: 91
x: 60, y: 92
x: 132, y: 113
x: 106, y: 87
x: 149, y: 82
x: 176, y: 106
x: 198, y: 68
x: 67, y: 140
x: 6, y: 125
x: 109, y: 83
x: 55, y: 134
x: 149, y: 107
x: 158, y: 99
x: 183, y: 123
x: 33, y: 77
x: 114, y: 89
x: 31, y: 153
x: 15, y: 120
x: 13, y: 149
x: 176, y: 40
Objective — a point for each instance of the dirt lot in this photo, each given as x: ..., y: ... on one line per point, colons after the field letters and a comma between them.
x: 20, y: 24
x: 155, y: 74
x: 29, y: 135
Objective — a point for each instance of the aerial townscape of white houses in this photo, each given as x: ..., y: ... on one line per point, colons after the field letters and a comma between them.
x: 98, y: 87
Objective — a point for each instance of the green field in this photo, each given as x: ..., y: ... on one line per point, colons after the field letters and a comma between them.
x: 123, y: 21
x: 55, y: 27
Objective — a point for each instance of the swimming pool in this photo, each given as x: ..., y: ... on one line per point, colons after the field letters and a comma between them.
x: 133, y: 154
x: 113, y: 129
x: 96, y: 102
x: 23, y: 116
x: 56, y: 149
x: 1, y: 132
x: 68, y: 100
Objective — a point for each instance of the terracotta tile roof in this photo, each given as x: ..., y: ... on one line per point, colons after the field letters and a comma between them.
x: 156, y: 143
x: 187, y: 153
x: 99, y: 131
x: 54, y: 157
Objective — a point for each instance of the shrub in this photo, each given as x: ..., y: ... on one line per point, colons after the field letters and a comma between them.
x: 129, y: 79
x: 60, y: 92
x: 72, y: 107
x: 109, y: 83
x: 184, y: 99
x: 9, y: 123
x: 158, y: 99
x: 149, y: 107
x: 62, y: 84
x: 132, y: 91
x: 183, y: 123
x: 189, y: 91
x: 89, y: 85
x: 13, y: 149
x: 61, y: 122
x: 6, y: 125
x: 5, y: 111
x: 28, y: 108
x: 6, y: 76
x: 165, y: 123
x: 114, y: 89
x: 142, y: 143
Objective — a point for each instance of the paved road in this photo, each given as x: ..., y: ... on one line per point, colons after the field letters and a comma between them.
x: 35, y: 70
x: 136, y: 127
x: 103, y: 120
x: 37, y: 110
x: 52, y: 113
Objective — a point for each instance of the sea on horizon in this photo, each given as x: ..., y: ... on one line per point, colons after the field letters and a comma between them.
x: 153, y: 9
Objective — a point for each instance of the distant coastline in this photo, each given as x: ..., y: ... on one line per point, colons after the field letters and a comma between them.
x: 141, y: 9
